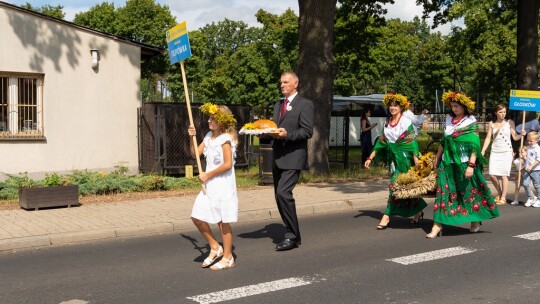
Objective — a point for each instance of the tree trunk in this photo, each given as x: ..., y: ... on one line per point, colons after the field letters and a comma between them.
x: 527, y: 47
x: 316, y: 70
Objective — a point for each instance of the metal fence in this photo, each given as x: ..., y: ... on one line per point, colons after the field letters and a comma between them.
x: 164, y: 142
x: 341, y: 147
x: 339, y: 138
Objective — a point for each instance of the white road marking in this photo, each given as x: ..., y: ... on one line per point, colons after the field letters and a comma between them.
x: 74, y: 302
x: 530, y: 236
x: 432, y: 255
x: 251, y: 290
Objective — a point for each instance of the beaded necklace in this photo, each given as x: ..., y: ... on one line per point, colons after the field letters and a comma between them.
x: 455, y: 122
x: 394, y: 124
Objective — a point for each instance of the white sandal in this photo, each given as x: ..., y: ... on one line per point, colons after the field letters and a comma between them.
x: 209, y: 261
x: 220, y: 266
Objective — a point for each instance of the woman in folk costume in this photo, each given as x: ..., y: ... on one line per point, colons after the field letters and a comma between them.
x: 399, y: 148
x: 463, y: 195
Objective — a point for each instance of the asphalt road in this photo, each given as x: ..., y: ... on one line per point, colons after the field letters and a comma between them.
x: 343, y: 259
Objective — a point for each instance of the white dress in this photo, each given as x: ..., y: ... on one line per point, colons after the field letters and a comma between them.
x: 501, y: 156
x: 220, y: 203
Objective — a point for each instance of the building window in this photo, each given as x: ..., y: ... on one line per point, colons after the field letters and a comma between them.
x: 21, y: 107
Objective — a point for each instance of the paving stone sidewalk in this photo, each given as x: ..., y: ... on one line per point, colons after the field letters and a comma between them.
x: 24, y: 229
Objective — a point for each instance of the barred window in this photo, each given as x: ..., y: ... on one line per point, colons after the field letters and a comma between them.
x: 21, y: 107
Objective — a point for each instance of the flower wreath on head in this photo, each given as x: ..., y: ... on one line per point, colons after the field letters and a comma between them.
x: 459, y: 98
x: 225, y: 120
x: 398, y: 98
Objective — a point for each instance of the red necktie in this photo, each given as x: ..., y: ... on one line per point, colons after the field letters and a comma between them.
x: 283, y: 108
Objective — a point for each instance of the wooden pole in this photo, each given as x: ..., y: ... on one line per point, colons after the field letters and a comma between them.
x: 194, y: 138
x: 519, y: 154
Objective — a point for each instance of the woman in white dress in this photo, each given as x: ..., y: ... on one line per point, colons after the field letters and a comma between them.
x: 219, y: 203
x: 501, y: 156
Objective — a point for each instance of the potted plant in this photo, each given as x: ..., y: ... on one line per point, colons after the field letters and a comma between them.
x: 54, y: 192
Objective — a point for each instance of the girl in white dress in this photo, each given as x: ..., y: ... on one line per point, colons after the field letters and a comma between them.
x: 500, y: 158
x: 219, y: 203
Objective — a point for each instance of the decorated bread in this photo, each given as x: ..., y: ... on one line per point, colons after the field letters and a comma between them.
x: 262, y: 124
x: 257, y: 127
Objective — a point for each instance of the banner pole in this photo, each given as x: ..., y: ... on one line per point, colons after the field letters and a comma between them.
x: 193, y: 138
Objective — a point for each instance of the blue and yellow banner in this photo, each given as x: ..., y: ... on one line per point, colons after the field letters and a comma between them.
x: 524, y: 100
x: 178, y: 43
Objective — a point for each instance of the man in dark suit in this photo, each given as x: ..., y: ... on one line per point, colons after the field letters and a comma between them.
x: 294, y: 118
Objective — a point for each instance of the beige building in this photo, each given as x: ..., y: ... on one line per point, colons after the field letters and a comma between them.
x: 68, y: 95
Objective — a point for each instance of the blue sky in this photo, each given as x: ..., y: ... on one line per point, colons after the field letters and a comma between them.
x: 198, y: 13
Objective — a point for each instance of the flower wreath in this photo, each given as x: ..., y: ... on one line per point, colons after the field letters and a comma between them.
x: 398, y: 98
x: 225, y: 120
x: 459, y: 98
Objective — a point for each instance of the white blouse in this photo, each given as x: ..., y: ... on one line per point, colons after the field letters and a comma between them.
x: 465, y: 121
x: 393, y: 133
x: 450, y: 128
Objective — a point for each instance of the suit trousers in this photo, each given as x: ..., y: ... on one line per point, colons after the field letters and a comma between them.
x: 284, y: 182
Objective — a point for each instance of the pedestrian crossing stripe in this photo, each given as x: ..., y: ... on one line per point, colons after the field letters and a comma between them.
x: 250, y: 290
x: 533, y: 236
x: 432, y: 255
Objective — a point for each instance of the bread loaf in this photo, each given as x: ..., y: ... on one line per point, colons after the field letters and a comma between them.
x: 262, y: 124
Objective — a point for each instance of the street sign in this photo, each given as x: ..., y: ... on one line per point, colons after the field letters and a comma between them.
x: 524, y: 100
x: 178, y: 43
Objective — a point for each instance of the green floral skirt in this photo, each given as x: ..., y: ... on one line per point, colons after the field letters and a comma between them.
x: 463, y: 201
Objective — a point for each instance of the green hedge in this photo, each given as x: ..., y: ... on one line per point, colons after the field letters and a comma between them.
x: 97, y: 183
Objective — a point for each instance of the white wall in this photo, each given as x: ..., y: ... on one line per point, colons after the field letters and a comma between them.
x: 90, y: 116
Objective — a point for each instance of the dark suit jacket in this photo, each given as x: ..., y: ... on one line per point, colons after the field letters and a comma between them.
x: 291, y: 153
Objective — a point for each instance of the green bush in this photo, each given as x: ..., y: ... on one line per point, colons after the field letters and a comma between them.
x: 8, y: 193
x: 173, y: 183
x: 9, y: 188
x: 54, y: 179
x: 97, y: 183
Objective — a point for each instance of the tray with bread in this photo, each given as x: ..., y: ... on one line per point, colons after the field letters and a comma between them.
x: 258, y: 127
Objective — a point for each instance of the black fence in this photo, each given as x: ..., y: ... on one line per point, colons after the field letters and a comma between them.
x: 164, y: 142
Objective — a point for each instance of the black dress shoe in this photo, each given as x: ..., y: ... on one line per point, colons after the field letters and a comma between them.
x: 287, y: 244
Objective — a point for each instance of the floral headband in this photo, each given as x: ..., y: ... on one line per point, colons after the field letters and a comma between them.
x: 459, y: 98
x: 225, y: 120
x: 398, y: 98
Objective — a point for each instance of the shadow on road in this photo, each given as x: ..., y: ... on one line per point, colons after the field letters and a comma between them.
x: 272, y: 231
x: 397, y: 222
x: 203, y: 250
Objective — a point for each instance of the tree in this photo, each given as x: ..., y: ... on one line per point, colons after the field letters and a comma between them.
x: 215, y: 70
x: 527, y: 30
x: 527, y: 44
x: 316, y: 70
x: 237, y: 64
x: 146, y: 21
x: 358, y: 33
x: 49, y: 10
x: 102, y: 17
x: 434, y: 66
